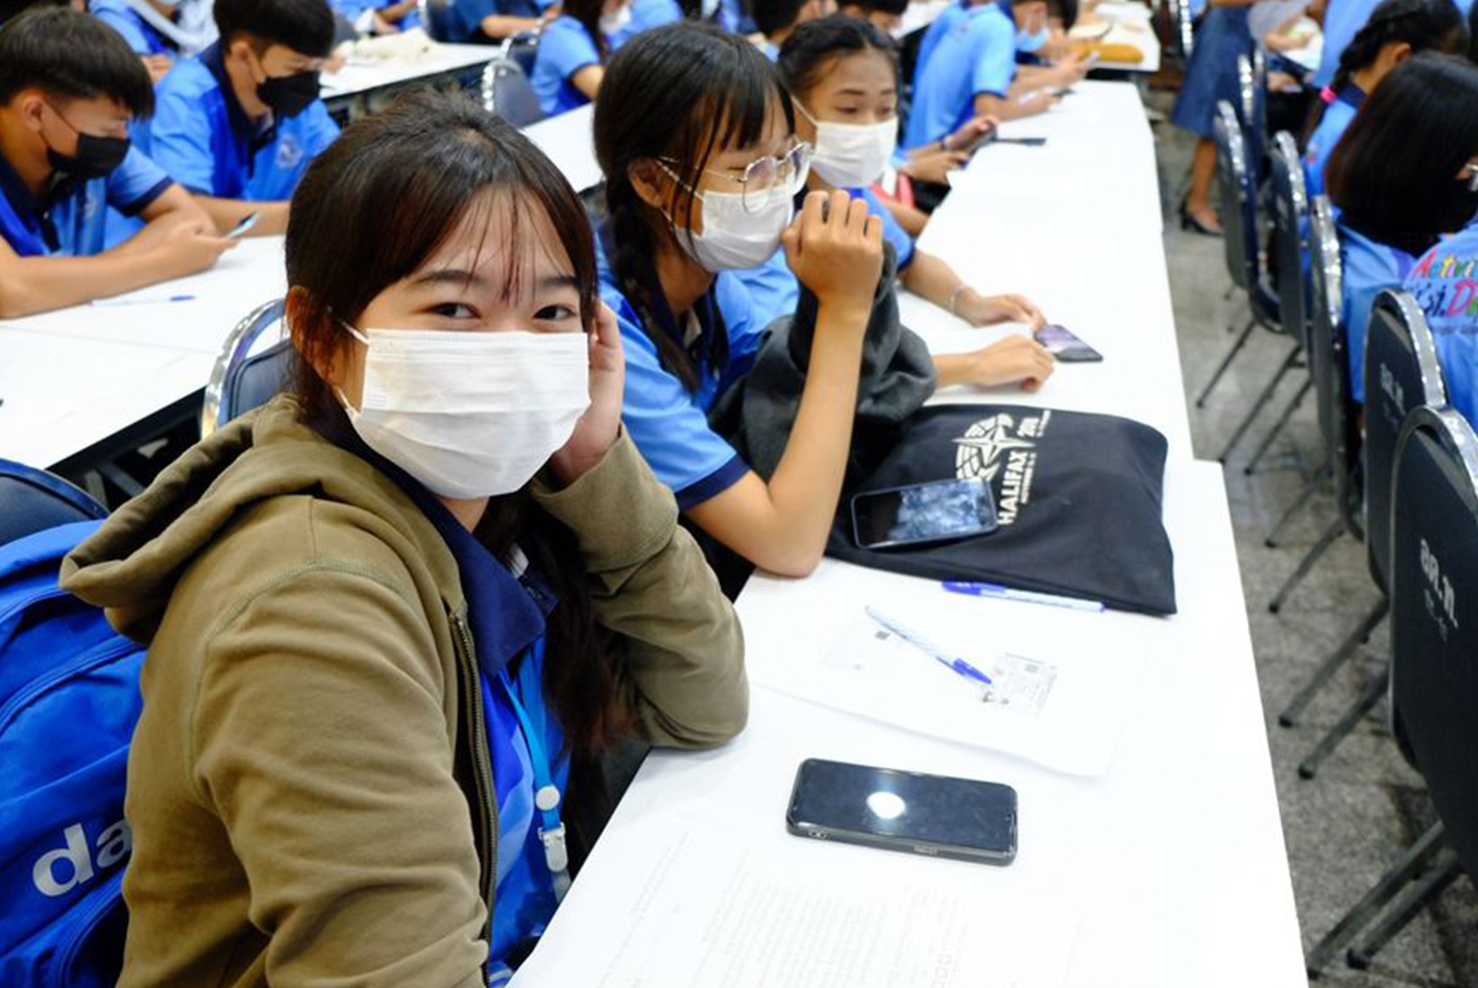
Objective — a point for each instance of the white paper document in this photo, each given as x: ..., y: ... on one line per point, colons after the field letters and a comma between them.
x: 679, y: 905
x: 1057, y: 700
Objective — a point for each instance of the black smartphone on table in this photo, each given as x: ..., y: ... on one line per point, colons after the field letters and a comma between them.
x: 1065, y: 346
x: 932, y: 815
x: 922, y: 514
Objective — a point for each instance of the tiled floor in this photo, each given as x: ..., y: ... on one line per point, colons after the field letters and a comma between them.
x: 1345, y: 826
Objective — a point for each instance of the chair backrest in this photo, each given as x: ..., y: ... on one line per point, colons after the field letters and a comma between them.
x: 1239, y: 220
x: 1434, y: 615
x: 506, y: 90
x: 1253, y: 82
x: 1328, y: 365
x: 1185, y: 28
x: 247, y: 375
x: 1401, y: 373
x: 1290, y: 212
x: 33, y: 500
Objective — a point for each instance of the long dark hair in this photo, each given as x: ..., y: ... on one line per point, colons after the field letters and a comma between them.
x: 815, y: 46
x: 678, y: 93
x: 369, y: 212
x: 1393, y: 173
x: 1425, y: 25
x: 588, y: 12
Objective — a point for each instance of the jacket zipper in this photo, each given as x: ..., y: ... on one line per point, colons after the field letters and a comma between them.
x: 482, y: 770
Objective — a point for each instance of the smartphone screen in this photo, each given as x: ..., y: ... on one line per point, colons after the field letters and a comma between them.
x: 1066, y: 347
x: 909, y: 811
x: 922, y: 513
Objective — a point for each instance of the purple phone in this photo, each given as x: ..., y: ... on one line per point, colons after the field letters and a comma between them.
x: 1066, y: 347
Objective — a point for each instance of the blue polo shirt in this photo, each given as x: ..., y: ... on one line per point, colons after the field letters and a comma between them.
x: 669, y: 423
x: 1332, y: 127
x: 507, y: 607
x: 70, y: 219
x: 565, y: 48
x: 203, y: 139
x: 1369, y: 267
x: 977, y: 54
x: 942, y: 25
x: 141, y: 36
x: 773, y: 288
x: 1445, y: 284
x: 647, y: 14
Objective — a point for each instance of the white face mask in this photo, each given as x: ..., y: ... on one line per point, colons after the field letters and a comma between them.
x: 733, y: 238
x: 852, y: 156
x: 614, y: 22
x: 470, y: 414
x: 708, y: 8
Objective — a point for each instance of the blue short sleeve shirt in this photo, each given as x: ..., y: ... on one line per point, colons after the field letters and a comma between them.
x: 71, y: 219
x: 1445, y: 284
x: 976, y: 55
x: 141, y: 36
x: 565, y: 48
x: 1332, y: 127
x: 942, y: 25
x: 669, y: 423
x: 203, y: 139
x: 1369, y: 267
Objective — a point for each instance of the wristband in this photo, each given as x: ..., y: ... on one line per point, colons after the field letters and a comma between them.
x: 954, y: 297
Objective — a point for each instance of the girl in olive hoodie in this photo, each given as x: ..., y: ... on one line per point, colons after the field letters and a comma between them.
x: 387, y: 611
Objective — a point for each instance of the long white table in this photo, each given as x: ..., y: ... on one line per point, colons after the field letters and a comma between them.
x: 366, y: 79
x: 1174, y: 864
x: 74, y: 378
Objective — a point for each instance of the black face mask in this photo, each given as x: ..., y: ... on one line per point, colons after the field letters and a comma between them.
x: 289, y: 95
x: 96, y: 157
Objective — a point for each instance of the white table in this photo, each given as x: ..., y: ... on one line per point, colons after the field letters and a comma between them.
x: 363, y: 79
x: 1132, y: 24
x: 1175, y: 862
x: 74, y: 378
x: 567, y: 140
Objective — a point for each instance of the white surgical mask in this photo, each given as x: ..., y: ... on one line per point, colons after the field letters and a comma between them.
x: 734, y: 238
x: 708, y: 8
x: 613, y: 22
x: 470, y: 414
x: 852, y: 156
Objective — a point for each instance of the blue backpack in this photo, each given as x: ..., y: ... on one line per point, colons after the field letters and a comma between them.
x: 69, y: 700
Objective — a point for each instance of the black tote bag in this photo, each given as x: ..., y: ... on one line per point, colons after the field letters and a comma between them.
x: 1078, y: 497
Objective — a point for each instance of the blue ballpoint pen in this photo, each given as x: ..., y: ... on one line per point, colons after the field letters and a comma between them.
x: 953, y: 662
x: 1023, y: 596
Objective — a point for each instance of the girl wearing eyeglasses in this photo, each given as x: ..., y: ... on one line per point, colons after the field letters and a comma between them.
x: 842, y: 76
x: 1405, y: 173
x: 696, y: 139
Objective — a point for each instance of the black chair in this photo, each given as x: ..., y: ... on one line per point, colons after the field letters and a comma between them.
x: 33, y: 500
x: 1289, y: 209
x: 1401, y: 374
x: 1239, y: 232
x: 505, y: 84
x: 1338, y: 416
x: 1433, y: 570
x: 1252, y: 86
x: 243, y: 377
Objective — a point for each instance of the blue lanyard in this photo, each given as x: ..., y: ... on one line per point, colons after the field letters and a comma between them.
x: 546, y: 793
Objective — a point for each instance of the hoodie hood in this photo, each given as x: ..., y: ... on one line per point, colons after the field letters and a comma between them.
x: 130, y: 566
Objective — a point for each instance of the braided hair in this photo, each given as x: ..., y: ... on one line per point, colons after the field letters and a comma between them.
x: 677, y: 94
x: 1425, y: 25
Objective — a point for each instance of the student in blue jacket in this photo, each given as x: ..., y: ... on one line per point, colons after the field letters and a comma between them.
x: 968, y: 69
x: 570, y: 60
x: 1402, y: 177
x: 842, y: 76
x: 69, y: 88
x: 238, y: 124
x: 156, y: 49
x: 696, y: 138
x: 1397, y: 30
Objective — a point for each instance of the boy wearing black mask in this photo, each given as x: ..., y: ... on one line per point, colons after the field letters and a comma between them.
x: 69, y: 87
x: 238, y: 124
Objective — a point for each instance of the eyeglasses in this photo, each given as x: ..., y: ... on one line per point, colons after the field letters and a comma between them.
x: 765, y: 179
